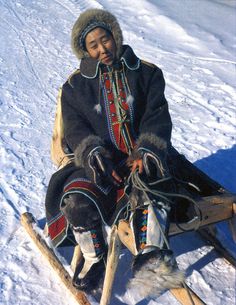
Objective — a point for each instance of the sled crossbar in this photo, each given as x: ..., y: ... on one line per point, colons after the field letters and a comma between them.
x: 213, y: 209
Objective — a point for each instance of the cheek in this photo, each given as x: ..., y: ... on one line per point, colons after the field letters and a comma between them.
x: 113, y: 47
x: 93, y: 53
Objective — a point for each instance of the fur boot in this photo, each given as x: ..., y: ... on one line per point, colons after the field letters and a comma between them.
x: 155, y: 272
x: 85, y: 219
x: 90, y: 271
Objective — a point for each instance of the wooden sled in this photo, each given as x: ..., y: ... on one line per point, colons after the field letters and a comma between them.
x: 215, y: 203
x: 185, y: 296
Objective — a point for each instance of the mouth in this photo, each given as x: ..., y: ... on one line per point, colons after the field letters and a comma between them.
x: 107, y: 58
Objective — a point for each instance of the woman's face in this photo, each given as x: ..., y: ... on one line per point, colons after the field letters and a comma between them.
x: 101, y: 45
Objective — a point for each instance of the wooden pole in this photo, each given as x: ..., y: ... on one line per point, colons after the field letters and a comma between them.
x: 232, y: 223
x: 112, y: 263
x: 186, y: 296
x: 29, y: 223
x: 77, y: 257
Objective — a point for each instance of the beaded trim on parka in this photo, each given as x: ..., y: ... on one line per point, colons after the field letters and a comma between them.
x: 119, y: 112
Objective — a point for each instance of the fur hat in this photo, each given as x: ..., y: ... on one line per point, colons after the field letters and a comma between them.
x: 88, y: 21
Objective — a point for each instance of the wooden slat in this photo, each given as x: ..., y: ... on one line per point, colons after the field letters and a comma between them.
x: 213, y: 209
x: 182, y: 295
x: 112, y: 263
x: 232, y: 223
x: 77, y: 257
x: 126, y: 236
x: 28, y: 223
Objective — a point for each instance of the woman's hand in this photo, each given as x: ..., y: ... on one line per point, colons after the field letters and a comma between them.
x: 137, y: 164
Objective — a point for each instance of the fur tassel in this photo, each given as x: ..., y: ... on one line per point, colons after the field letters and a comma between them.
x: 98, y: 108
x: 130, y: 100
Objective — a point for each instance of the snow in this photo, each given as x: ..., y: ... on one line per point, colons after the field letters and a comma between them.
x: 193, y: 42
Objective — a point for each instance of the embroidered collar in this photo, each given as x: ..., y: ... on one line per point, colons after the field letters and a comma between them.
x: 89, y: 67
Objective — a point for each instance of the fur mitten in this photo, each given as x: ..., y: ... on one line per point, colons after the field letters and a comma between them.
x: 85, y: 147
x: 92, y: 155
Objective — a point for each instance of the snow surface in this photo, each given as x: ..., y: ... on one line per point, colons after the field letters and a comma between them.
x: 193, y: 42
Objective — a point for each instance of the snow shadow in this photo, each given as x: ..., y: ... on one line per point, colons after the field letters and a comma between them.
x: 144, y: 302
x: 122, y: 276
x: 221, y: 166
x: 189, y: 242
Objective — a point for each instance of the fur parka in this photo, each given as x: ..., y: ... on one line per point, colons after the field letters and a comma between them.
x: 150, y: 119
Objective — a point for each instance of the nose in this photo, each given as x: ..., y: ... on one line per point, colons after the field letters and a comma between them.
x: 102, y: 49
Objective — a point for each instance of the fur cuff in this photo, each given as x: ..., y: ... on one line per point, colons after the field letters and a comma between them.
x: 86, y: 146
x: 149, y: 140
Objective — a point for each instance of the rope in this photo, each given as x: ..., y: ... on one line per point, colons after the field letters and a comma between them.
x: 139, y: 184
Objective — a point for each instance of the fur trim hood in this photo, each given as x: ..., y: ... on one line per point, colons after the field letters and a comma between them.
x: 89, y: 20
